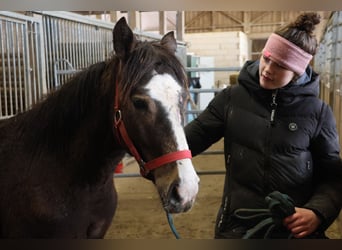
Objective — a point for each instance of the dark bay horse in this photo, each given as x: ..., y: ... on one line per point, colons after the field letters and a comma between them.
x: 57, y: 159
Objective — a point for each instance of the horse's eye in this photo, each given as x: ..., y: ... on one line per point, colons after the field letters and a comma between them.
x: 140, y: 103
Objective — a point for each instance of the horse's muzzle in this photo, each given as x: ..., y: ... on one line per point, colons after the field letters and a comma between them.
x: 175, y: 202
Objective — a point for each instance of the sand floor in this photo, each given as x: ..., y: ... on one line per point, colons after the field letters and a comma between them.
x: 140, y: 215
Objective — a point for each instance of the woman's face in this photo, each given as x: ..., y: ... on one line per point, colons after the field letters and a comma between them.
x: 273, y: 75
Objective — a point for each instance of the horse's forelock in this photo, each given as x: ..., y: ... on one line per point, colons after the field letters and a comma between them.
x: 147, y: 58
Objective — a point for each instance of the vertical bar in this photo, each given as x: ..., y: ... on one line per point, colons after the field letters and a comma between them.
x: 33, y: 65
x: 92, y: 53
x: 74, y: 47
x: 89, y: 38
x: 49, y: 50
x: 83, y: 54
x: 94, y: 44
x: 20, y: 68
x: 53, y: 46
x: 80, y: 46
x: 67, y: 42
x: 62, y: 45
x: 3, y: 70
x: 337, y: 68
x: 28, y: 69
x: 57, y: 50
x: 70, y: 45
x: 14, y: 70
x: 8, y: 71
x: 41, y: 55
x: 38, y: 59
x: 46, y: 28
x: 101, y: 42
x: 98, y: 45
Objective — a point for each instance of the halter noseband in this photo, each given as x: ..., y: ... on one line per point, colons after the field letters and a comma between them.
x: 124, y: 139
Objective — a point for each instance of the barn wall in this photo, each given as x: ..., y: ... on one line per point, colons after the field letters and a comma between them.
x: 229, y: 49
x: 252, y: 23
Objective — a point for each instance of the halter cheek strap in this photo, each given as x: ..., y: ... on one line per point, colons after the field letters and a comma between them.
x: 124, y: 139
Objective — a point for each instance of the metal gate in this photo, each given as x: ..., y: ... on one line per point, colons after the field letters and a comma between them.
x: 21, y: 63
x: 72, y: 39
x: 328, y: 64
x: 40, y: 52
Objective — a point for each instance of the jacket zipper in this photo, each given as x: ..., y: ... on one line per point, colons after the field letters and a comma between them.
x: 226, y: 198
x: 273, y: 106
x: 268, y: 147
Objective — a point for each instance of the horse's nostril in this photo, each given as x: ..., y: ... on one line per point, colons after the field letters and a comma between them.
x: 174, y: 196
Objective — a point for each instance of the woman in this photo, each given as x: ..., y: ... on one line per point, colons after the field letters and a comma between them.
x: 278, y: 136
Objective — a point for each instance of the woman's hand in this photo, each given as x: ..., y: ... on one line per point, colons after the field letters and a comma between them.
x: 302, y: 223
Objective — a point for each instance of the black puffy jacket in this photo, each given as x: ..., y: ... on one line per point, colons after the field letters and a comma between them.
x: 284, y: 140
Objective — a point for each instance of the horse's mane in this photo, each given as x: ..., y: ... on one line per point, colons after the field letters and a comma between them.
x: 55, y: 119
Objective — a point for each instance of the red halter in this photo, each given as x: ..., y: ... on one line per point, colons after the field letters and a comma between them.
x: 124, y: 139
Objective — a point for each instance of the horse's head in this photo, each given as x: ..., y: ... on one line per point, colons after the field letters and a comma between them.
x: 152, y: 86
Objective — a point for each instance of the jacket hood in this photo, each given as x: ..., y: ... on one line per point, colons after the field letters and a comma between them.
x: 306, y: 85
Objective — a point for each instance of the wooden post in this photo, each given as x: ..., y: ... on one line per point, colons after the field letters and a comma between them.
x: 162, y: 23
x: 114, y: 16
x: 180, y: 25
x: 134, y: 20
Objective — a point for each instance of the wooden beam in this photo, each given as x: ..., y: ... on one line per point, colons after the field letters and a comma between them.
x: 134, y: 20
x: 259, y: 17
x: 180, y: 27
x: 246, y: 22
x: 212, y: 22
x: 194, y: 19
x: 114, y: 16
x: 231, y: 17
x: 162, y: 23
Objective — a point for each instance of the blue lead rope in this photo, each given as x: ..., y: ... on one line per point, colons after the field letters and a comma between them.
x: 172, y: 226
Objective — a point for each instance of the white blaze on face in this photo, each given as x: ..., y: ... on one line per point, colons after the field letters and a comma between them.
x: 167, y: 91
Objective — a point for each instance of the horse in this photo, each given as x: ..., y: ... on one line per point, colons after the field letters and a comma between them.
x: 58, y: 158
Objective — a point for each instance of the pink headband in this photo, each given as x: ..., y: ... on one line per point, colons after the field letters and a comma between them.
x: 286, y: 54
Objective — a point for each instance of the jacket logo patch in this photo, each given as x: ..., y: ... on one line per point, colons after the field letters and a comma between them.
x: 293, y: 126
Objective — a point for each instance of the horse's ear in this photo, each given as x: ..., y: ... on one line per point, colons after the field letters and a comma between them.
x: 123, y: 39
x: 169, y: 42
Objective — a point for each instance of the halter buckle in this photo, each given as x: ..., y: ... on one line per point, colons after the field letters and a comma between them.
x: 117, y: 117
x: 143, y: 171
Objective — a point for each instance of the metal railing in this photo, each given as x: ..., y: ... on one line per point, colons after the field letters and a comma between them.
x: 193, y: 109
x: 21, y: 63
x: 35, y: 48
